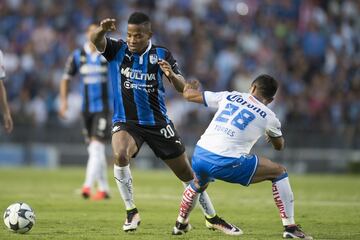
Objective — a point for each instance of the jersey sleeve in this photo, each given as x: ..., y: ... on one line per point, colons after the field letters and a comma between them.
x: 71, y: 67
x: 2, y: 68
x: 212, y: 99
x: 174, y: 66
x: 273, y: 128
x: 112, y: 47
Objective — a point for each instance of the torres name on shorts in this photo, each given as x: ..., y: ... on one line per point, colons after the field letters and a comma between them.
x: 139, y: 96
x: 238, y: 123
x: 96, y: 89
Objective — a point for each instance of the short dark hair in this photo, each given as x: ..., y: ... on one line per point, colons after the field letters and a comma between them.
x: 138, y: 18
x: 266, y: 85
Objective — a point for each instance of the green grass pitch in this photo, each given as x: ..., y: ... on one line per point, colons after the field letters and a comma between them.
x: 327, y: 206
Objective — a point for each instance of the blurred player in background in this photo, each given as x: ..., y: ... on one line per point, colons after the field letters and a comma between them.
x: 223, y: 150
x: 93, y: 70
x: 8, y: 123
x: 136, y: 70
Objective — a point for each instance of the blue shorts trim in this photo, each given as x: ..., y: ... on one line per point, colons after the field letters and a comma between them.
x: 254, y: 171
x: 209, y: 166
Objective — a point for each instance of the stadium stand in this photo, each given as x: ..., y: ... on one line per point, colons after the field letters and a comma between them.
x: 311, y: 47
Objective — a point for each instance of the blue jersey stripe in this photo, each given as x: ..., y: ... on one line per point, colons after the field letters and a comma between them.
x: 95, y: 89
x: 115, y: 76
x: 95, y: 92
x: 161, y: 90
x: 77, y: 58
x: 144, y: 111
x: 95, y: 103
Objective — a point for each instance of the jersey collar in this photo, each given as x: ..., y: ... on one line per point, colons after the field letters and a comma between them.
x: 255, y: 98
x: 141, y: 58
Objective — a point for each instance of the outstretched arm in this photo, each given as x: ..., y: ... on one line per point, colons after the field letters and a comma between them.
x: 176, y: 79
x: 64, y: 88
x: 71, y: 68
x: 97, y: 37
x: 191, y: 92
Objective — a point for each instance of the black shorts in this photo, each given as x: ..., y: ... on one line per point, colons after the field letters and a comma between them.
x: 163, y: 140
x: 96, y: 125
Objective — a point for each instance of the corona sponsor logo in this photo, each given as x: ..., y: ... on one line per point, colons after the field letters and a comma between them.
x: 239, y: 99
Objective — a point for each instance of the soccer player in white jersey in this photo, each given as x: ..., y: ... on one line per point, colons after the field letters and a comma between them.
x: 223, y: 150
x: 8, y: 123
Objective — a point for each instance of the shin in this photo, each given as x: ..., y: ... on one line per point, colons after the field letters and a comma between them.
x: 188, y: 202
x: 284, y: 198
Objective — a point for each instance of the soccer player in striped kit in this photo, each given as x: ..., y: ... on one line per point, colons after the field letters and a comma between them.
x: 97, y: 102
x: 8, y: 122
x: 136, y: 70
x: 223, y: 151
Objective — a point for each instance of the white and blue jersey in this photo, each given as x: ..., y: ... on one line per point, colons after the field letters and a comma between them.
x: 139, y: 94
x: 93, y: 70
x: 223, y: 150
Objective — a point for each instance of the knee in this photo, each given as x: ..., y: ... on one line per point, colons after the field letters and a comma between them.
x: 121, y: 158
x: 196, y: 185
x: 279, y: 170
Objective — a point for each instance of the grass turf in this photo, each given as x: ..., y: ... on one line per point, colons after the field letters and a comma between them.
x: 327, y: 206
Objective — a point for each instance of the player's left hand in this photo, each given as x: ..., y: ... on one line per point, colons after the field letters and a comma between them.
x: 166, y: 68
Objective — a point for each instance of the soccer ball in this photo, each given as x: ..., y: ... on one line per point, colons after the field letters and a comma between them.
x: 19, y: 217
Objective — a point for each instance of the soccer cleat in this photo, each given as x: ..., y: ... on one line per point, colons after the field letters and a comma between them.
x: 295, y: 231
x: 86, y: 192
x: 100, y: 195
x: 132, y: 220
x: 217, y: 223
x: 181, y: 228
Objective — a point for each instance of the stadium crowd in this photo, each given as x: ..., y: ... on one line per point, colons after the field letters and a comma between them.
x: 311, y: 46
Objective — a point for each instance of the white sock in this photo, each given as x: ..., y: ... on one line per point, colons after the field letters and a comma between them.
x: 205, y: 203
x: 188, y: 202
x: 123, y: 180
x: 284, y: 199
x: 102, y: 179
x: 93, y: 164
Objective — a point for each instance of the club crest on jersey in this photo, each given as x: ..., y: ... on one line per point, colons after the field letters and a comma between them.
x: 153, y: 58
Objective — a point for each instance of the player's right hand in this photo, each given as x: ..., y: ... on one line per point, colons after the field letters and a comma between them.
x: 108, y: 24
